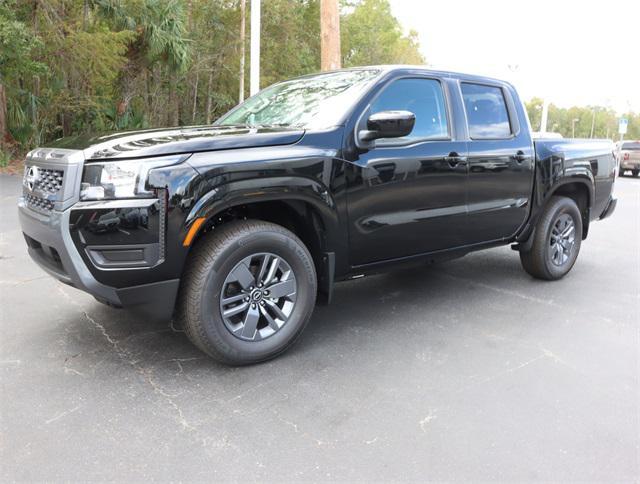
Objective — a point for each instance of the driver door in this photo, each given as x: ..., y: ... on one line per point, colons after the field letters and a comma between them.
x: 408, y: 195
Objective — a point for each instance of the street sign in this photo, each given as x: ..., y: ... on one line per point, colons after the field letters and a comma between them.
x: 622, y: 125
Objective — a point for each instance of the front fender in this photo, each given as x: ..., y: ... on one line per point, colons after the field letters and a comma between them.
x: 281, y: 188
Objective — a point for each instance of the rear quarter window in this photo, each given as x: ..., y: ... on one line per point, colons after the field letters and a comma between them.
x: 487, y: 114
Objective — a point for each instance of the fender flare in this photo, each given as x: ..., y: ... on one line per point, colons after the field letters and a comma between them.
x: 584, y: 178
x: 243, y: 192
x: 284, y: 188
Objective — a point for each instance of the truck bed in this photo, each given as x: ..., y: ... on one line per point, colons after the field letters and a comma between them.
x: 578, y: 158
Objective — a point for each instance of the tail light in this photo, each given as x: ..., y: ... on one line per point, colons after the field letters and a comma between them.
x: 626, y: 156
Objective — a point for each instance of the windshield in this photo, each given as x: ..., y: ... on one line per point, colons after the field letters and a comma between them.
x: 631, y: 146
x: 312, y: 102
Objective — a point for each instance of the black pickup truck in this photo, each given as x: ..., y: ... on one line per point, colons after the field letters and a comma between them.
x: 236, y: 228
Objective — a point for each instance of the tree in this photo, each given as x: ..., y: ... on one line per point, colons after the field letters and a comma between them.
x: 578, y: 120
x: 372, y: 35
x: 76, y: 66
x: 160, y: 37
x: 290, y: 39
x: 16, y: 68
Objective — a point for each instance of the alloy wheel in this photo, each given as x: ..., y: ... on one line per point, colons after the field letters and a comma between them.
x: 258, y: 296
x: 562, y: 239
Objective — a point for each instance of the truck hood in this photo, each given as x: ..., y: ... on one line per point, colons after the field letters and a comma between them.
x: 191, y: 139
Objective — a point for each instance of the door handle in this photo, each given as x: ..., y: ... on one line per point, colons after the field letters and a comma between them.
x: 454, y: 159
x: 520, y: 156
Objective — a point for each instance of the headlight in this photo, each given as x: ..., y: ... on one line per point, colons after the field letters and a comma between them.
x: 120, y: 179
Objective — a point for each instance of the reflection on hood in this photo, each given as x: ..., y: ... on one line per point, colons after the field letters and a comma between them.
x: 156, y: 142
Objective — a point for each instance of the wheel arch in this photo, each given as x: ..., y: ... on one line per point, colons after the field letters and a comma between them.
x: 301, y: 205
x: 580, y: 190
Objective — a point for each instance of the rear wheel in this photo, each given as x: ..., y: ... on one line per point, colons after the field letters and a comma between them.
x: 248, y: 292
x: 621, y: 171
x: 556, y: 242
x: 635, y: 172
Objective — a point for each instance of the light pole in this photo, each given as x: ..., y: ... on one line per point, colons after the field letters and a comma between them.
x: 254, y: 81
x: 545, y: 114
x: 243, y: 8
x: 573, y: 127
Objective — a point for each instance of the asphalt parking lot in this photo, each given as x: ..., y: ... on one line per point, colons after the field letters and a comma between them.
x: 465, y: 370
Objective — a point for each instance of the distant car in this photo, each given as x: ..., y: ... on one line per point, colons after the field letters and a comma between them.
x: 628, y: 156
x: 545, y: 135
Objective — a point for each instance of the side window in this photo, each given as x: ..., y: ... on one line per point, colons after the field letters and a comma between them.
x: 424, y: 98
x: 487, y: 113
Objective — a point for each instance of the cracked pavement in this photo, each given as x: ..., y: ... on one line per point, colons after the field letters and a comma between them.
x: 465, y: 370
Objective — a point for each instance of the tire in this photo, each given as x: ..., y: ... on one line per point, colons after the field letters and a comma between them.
x: 635, y: 172
x: 621, y: 172
x: 545, y: 260
x: 216, y: 270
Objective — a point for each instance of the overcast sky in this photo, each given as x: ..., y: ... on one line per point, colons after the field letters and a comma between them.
x: 576, y: 53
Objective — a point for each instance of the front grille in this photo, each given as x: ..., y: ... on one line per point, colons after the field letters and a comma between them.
x: 38, y: 203
x: 50, y: 176
x: 49, y: 180
x: 42, y: 187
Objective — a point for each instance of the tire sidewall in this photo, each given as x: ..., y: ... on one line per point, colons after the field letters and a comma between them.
x: 569, y: 207
x: 301, y: 264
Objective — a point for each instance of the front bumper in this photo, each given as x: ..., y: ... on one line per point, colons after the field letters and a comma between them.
x: 50, y: 245
x: 630, y: 164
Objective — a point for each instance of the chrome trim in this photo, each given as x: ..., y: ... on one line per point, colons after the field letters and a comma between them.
x: 119, y: 203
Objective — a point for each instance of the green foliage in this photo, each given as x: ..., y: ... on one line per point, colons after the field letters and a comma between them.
x: 131, y: 119
x: 290, y: 38
x: 372, y: 35
x: 16, y: 46
x: 78, y: 66
x: 5, y: 158
x: 159, y: 28
x: 578, y: 121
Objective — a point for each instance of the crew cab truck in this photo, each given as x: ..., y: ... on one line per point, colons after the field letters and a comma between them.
x: 236, y: 228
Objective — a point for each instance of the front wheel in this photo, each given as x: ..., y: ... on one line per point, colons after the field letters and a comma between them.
x: 556, y: 242
x: 248, y: 291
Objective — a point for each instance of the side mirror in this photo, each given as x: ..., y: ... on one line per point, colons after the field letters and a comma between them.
x: 388, y: 124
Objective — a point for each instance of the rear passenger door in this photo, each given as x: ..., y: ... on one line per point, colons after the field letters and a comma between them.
x: 501, y: 162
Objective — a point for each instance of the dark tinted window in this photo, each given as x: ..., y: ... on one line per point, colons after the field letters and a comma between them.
x: 631, y: 146
x: 424, y: 98
x: 486, y: 111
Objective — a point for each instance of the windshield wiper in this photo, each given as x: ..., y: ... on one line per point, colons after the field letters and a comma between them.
x: 271, y: 125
